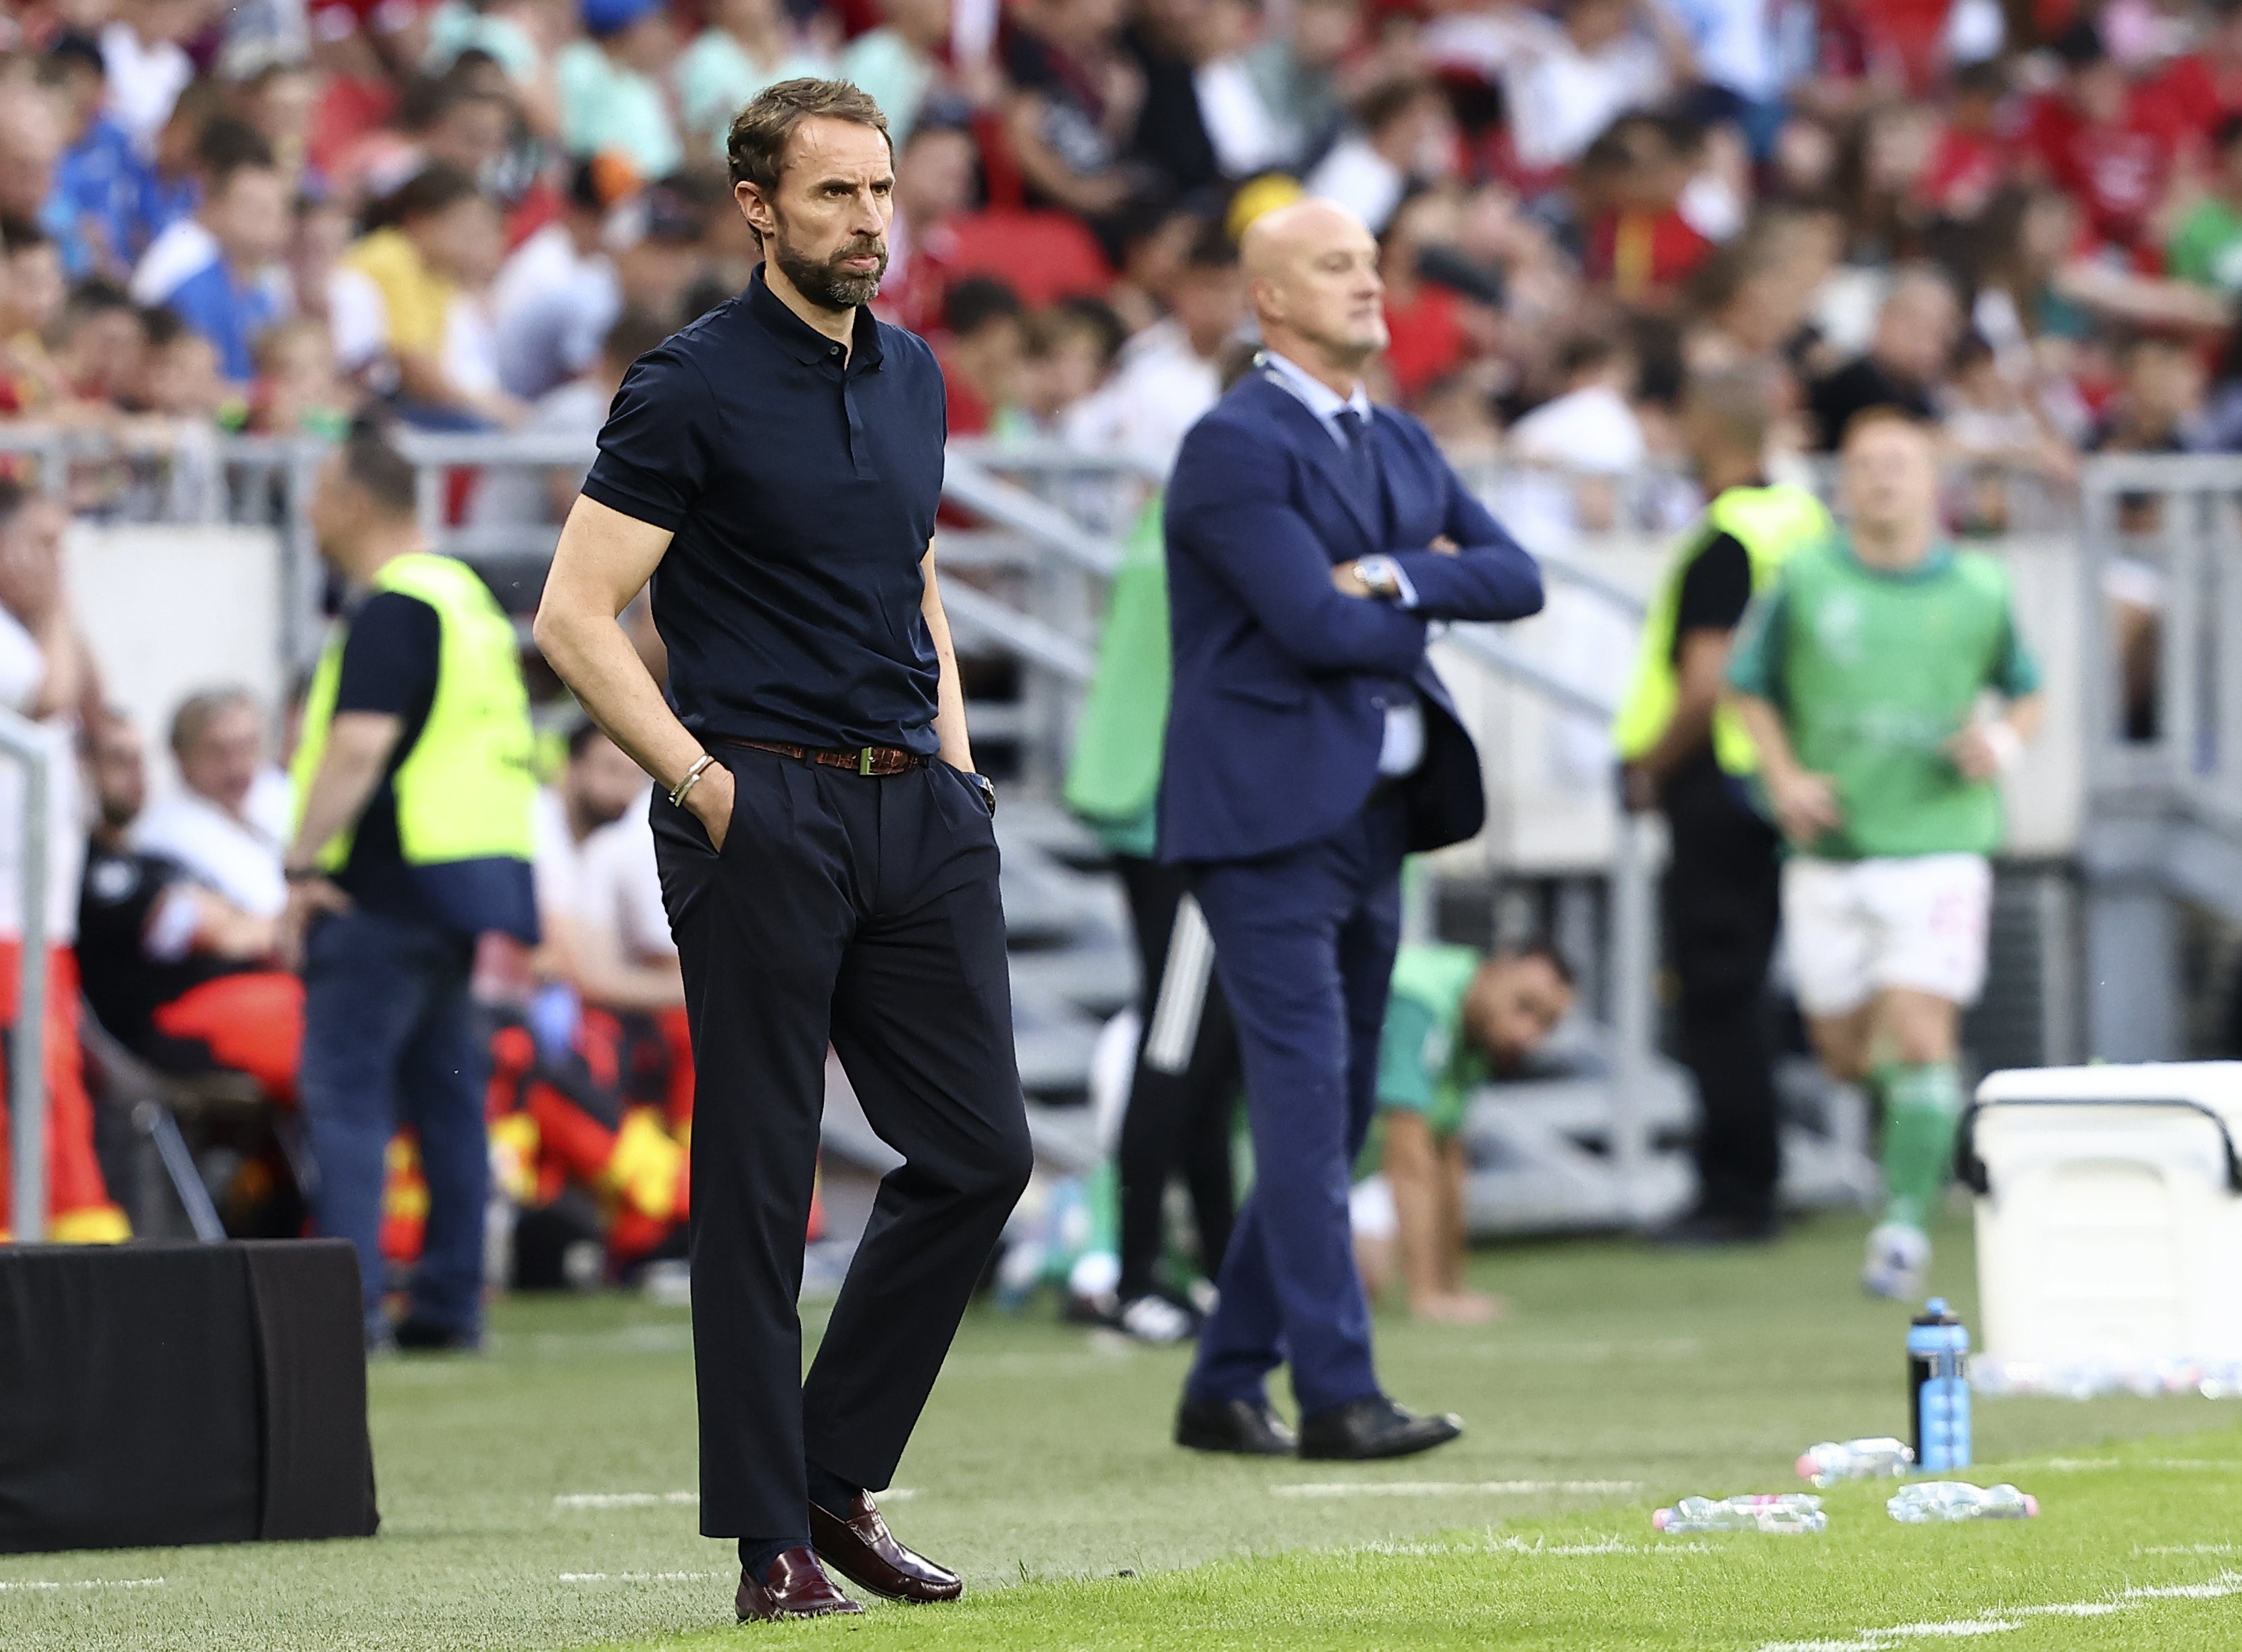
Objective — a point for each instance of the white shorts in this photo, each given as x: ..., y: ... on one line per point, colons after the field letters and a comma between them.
x: 1853, y: 929
x: 1370, y: 1209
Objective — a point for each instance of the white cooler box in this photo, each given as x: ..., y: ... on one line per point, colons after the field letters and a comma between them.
x: 2108, y: 1213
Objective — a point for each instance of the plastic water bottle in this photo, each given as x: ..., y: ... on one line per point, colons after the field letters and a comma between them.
x: 1929, y: 1501
x: 1938, y: 1388
x: 1789, y: 1511
x: 1835, y: 1460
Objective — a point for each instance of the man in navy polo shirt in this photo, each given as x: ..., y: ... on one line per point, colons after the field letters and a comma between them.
x: 828, y: 856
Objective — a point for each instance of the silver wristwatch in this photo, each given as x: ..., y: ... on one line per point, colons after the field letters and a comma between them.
x: 1380, y: 575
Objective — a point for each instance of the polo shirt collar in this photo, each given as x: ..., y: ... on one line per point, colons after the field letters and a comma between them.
x: 800, y: 340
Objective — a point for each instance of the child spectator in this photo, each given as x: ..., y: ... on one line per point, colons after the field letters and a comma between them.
x: 299, y: 392
x: 217, y: 269
x: 94, y: 210
x: 181, y: 377
x: 983, y: 339
x: 30, y: 302
x: 98, y: 343
x: 1071, y: 347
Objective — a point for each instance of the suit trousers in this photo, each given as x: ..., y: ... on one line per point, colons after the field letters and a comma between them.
x: 1722, y: 898
x: 863, y: 911
x: 1304, y: 943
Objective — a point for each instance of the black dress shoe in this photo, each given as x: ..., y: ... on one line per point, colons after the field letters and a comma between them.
x: 1374, y: 1426
x: 793, y: 1585
x: 426, y: 1336
x: 1248, y: 1428
x: 859, y: 1546
x: 1711, y: 1229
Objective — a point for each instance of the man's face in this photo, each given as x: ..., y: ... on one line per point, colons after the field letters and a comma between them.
x: 827, y: 226
x: 1327, y: 289
x: 222, y: 761
x: 1514, y: 1004
x: 473, y: 134
x: 934, y: 180
x: 32, y: 560
x: 1890, y: 482
x: 601, y: 783
x: 103, y: 350
x: 1914, y: 330
x: 250, y: 218
x: 120, y: 773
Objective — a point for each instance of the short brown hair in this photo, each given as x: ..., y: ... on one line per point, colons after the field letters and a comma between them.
x: 756, y: 144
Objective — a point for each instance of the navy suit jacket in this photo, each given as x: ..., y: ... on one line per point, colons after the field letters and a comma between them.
x: 1281, y: 682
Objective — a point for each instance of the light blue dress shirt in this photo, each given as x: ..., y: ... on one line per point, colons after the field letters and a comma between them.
x: 1403, y: 747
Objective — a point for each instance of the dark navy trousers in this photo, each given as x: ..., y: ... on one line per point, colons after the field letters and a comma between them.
x: 1304, y: 943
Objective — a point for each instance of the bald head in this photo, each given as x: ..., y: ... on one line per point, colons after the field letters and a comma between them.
x: 1312, y: 270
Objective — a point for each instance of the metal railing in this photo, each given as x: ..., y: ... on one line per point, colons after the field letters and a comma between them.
x: 24, y: 741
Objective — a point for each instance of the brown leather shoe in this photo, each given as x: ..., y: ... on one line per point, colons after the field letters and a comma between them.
x: 861, y: 1549
x: 793, y: 1585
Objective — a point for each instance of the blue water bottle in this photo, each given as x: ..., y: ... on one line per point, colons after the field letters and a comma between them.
x: 1938, y: 1392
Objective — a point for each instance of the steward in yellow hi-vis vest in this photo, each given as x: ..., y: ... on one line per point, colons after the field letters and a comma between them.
x: 413, y: 793
x: 1769, y: 523
x: 463, y: 791
x: 1685, y: 755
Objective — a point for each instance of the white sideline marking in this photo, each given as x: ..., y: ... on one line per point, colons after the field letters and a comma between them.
x: 1445, y: 1487
x: 642, y: 1577
x: 2085, y: 1465
x: 1540, y: 1546
x: 2002, y: 1620
x: 85, y: 1583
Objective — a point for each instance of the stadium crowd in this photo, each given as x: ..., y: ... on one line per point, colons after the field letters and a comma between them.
x: 2022, y: 222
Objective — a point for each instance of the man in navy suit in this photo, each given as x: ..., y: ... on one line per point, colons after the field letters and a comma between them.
x: 1312, y: 539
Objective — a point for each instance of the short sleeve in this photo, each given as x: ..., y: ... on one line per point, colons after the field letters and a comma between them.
x: 2015, y: 671
x: 389, y: 658
x: 1404, y: 1077
x: 1754, y: 664
x: 1716, y: 589
x: 653, y: 450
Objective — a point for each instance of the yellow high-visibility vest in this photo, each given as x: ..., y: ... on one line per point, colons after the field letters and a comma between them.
x: 465, y: 790
x: 1770, y: 523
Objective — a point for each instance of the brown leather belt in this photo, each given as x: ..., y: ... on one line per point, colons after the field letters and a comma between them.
x: 863, y: 760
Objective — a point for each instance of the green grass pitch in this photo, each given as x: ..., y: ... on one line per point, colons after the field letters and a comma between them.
x: 540, y: 1496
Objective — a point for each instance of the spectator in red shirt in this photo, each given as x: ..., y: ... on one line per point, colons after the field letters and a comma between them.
x: 934, y: 185
x: 1640, y: 245
x: 2093, y: 140
x: 1429, y: 339
x: 1970, y: 158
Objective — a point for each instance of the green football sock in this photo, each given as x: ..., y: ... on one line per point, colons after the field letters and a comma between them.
x: 1921, y: 1102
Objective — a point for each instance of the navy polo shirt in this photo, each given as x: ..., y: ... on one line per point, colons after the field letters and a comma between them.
x: 802, y: 492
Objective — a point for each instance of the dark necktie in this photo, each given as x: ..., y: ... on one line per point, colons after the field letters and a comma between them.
x: 1359, y: 460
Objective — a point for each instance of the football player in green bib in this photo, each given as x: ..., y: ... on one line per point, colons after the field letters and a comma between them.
x: 1861, y: 678
x: 1456, y: 1019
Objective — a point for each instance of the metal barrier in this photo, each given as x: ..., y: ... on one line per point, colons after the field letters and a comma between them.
x: 28, y: 744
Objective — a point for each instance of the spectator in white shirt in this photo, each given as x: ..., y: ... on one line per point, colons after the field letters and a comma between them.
x: 1403, y: 133
x: 1609, y: 56
x: 229, y: 821
x: 1172, y: 373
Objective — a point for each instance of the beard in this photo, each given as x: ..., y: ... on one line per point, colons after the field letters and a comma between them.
x: 823, y: 281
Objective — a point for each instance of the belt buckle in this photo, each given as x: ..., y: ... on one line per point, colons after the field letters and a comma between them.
x: 865, y: 760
